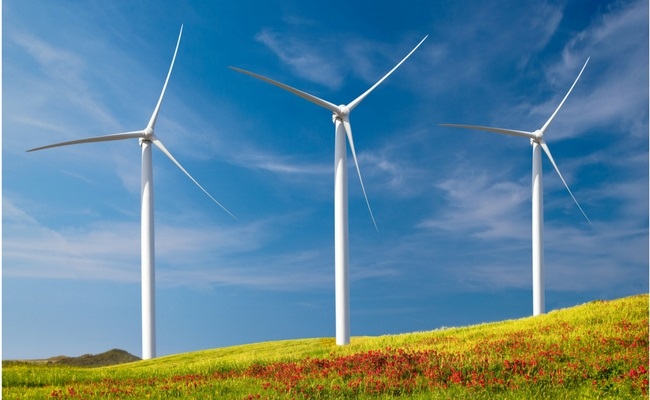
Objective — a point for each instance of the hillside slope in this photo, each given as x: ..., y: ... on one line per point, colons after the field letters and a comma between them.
x: 596, y: 350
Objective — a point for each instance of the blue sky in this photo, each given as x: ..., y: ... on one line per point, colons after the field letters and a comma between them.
x: 453, y: 207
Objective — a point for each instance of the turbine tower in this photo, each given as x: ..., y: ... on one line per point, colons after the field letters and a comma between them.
x: 146, y: 138
x: 538, y: 143
x: 342, y: 128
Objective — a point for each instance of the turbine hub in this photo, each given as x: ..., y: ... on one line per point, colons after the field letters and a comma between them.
x: 539, y: 135
x: 342, y: 114
x: 148, y: 132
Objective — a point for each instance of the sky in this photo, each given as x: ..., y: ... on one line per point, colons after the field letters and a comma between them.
x: 453, y: 207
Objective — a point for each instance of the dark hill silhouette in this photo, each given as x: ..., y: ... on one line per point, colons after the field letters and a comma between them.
x: 111, y: 357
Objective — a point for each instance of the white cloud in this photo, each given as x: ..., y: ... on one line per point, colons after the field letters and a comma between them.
x: 338, y: 57
x: 280, y: 164
x: 303, y: 59
x: 295, y: 271
x: 192, y: 253
x: 478, y: 204
x: 401, y: 164
x: 58, y: 63
x: 60, y: 75
x: 618, y: 47
x: 104, y: 251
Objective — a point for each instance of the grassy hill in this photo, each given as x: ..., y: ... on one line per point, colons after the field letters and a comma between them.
x: 596, y: 350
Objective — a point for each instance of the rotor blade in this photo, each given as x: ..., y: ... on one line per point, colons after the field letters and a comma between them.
x: 550, y: 157
x: 105, y: 138
x: 358, y: 100
x: 154, y: 116
x: 323, y: 103
x: 565, y: 97
x: 162, y: 148
x: 348, y: 131
x: 510, y: 132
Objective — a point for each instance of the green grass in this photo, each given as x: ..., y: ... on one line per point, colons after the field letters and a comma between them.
x: 596, y: 350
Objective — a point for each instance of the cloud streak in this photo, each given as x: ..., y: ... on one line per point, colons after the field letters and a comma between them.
x: 196, y: 255
x: 303, y: 60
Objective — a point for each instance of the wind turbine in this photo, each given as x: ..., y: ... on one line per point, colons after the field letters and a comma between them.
x: 146, y: 138
x: 342, y: 128
x: 538, y: 143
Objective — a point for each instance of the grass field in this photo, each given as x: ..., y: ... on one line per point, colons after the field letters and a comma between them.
x: 596, y: 350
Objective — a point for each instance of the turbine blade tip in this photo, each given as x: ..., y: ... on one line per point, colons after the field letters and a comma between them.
x: 236, y: 69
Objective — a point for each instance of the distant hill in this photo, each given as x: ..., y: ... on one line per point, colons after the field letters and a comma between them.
x: 111, y: 357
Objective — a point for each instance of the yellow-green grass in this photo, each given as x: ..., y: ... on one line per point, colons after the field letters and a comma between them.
x: 596, y: 350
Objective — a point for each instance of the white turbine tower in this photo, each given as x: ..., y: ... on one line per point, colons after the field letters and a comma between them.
x: 538, y: 143
x: 342, y: 128
x: 146, y: 138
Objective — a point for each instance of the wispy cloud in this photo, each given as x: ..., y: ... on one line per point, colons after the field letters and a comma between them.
x: 56, y: 62
x: 31, y: 249
x: 488, y: 208
x: 330, y: 61
x: 599, y: 103
x: 303, y: 59
x: 61, y: 75
x: 280, y: 164
x: 195, y: 255
x: 402, y: 165
x: 295, y: 271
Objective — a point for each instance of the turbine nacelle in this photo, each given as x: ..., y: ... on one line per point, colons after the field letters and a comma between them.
x: 147, y: 136
x: 343, y: 113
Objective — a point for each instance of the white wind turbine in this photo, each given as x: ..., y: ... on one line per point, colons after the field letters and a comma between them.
x: 146, y: 138
x: 342, y: 128
x: 538, y: 142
